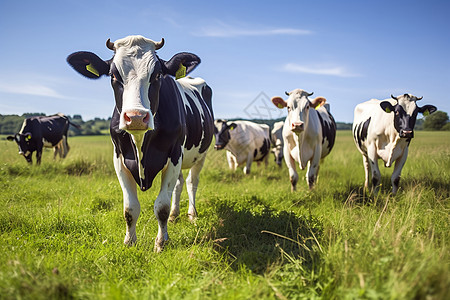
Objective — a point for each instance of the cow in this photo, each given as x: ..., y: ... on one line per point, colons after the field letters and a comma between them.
x: 309, y: 133
x: 277, y: 141
x: 43, y: 131
x: 159, y: 125
x: 383, y: 129
x: 244, y: 141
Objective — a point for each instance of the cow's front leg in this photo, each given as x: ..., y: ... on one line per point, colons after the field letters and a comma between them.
x: 395, y: 178
x: 191, y: 186
x: 376, y: 175
x: 175, y: 210
x: 232, y: 161
x: 248, y: 163
x: 169, y: 177
x: 131, y: 206
x: 313, y: 168
x: 293, y: 176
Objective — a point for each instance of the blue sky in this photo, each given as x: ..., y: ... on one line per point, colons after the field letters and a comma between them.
x: 346, y: 51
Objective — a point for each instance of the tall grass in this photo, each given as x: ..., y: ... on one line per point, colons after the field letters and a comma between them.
x: 62, y: 230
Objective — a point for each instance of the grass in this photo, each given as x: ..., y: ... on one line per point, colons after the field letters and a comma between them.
x: 62, y: 230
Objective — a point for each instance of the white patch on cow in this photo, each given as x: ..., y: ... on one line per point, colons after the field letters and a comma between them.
x: 138, y: 140
x: 47, y: 144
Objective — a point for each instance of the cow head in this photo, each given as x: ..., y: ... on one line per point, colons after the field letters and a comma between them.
x: 298, y: 106
x: 278, y: 153
x: 405, y: 113
x: 25, y: 143
x: 222, y: 133
x: 135, y: 73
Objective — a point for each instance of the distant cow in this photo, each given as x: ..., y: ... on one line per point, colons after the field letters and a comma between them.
x: 309, y: 132
x: 277, y: 141
x: 159, y: 125
x: 244, y: 141
x: 42, y: 131
x: 384, y: 129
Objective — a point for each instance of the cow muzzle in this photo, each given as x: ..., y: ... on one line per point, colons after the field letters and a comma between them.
x: 218, y: 147
x: 297, y: 127
x: 406, y: 134
x: 136, y: 120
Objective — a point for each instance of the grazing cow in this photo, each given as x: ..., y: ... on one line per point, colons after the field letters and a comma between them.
x: 309, y: 132
x: 244, y: 141
x: 43, y: 131
x: 159, y: 125
x: 384, y: 129
x: 277, y: 141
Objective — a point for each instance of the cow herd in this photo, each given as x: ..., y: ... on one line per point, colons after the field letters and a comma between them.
x: 163, y: 122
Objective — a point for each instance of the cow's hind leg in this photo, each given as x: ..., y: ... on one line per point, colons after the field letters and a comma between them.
x: 131, y: 206
x: 376, y: 175
x: 366, y: 171
x: 191, y: 186
x: 169, y: 179
x: 395, y: 178
x: 175, y: 210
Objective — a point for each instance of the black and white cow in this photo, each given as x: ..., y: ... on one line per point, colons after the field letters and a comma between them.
x: 43, y: 131
x: 244, y: 141
x: 159, y: 125
x: 309, y: 132
x: 277, y: 141
x: 384, y: 129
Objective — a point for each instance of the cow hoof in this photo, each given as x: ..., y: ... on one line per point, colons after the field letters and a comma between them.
x: 130, y: 240
x: 192, y: 218
x: 173, y: 218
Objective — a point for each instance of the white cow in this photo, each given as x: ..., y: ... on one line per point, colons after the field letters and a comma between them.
x: 309, y: 132
x: 277, y: 141
x: 384, y: 129
x: 244, y: 141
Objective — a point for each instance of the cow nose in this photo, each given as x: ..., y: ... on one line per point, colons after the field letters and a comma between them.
x: 297, y: 126
x: 406, y: 133
x: 136, y: 120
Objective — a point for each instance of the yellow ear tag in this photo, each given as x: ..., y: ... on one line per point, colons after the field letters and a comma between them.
x: 388, y: 110
x: 426, y: 113
x: 181, y: 72
x: 92, y: 69
x: 231, y: 127
x: 27, y: 138
x: 280, y: 105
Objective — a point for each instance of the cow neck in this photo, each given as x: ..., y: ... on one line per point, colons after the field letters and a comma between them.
x: 138, y: 140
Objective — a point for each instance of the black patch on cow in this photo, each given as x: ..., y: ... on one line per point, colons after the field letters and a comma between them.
x: 396, y: 181
x: 51, y: 128
x: 360, y: 132
x: 264, y: 149
x: 255, y: 153
x: 163, y: 214
x: 328, y: 130
x: 128, y: 218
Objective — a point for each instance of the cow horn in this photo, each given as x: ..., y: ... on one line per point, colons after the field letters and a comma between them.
x: 287, y: 93
x: 310, y: 94
x: 110, y: 44
x: 417, y: 99
x: 159, y: 45
x: 395, y: 98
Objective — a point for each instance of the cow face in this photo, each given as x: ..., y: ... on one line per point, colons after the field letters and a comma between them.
x: 298, y: 106
x: 405, y: 113
x: 135, y: 73
x: 25, y: 143
x: 278, y: 153
x: 222, y: 133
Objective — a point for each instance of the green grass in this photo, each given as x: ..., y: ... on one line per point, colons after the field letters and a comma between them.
x: 62, y: 230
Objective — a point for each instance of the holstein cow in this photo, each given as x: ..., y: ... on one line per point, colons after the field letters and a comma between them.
x: 309, y: 132
x: 384, y: 129
x: 159, y: 125
x: 244, y: 141
x: 277, y: 141
x: 43, y: 131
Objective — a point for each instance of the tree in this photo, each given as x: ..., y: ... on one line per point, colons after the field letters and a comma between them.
x: 435, y: 121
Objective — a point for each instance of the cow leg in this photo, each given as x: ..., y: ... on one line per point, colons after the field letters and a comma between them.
x: 131, y: 206
x: 395, y: 178
x: 366, y: 171
x: 38, y: 157
x: 376, y: 175
x: 169, y: 179
x: 248, y: 163
x: 293, y: 176
x: 232, y: 163
x: 313, y: 168
x: 65, y: 147
x: 191, y: 185
x: 175, y: 210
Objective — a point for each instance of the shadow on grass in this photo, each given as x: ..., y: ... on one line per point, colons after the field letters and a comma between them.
x: 258, y: 239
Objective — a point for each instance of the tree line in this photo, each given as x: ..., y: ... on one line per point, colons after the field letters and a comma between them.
x: 11, y: 124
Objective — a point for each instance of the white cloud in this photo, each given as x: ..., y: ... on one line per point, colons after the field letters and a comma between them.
x: 338, y: 71
x: 222, y: 29
x: 30, y: 89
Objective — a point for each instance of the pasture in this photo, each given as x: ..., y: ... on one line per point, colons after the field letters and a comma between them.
x: 62, y: 230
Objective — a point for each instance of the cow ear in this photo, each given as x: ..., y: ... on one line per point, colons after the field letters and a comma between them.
x: 387, y: 106
x: 232, y: 126
x: 279, y: 102
x: 318, y: 102
x: 427, y: 109
x: 88, y: 64
x: 10, y: 138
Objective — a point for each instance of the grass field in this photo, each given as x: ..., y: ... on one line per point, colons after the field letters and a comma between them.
x: 62, y: 230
